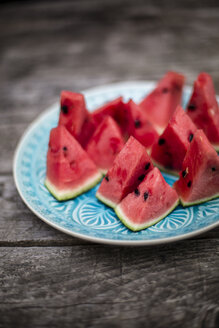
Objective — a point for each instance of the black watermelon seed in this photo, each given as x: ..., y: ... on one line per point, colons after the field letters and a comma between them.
x: 191, y: 137
x: 184, y: 173
x: 107, y: 178
x: 141, y: 177
x: 137, y: 124
x: 189, y: 183
x: 65, y: 148
x: 145, y: 196
x: 137, y: 192
x: 147, y: 166
x: 65, y: 109
x: 165, y: 90
x: 191, y: 107
x: 213, y: 169
x: 161, y: 141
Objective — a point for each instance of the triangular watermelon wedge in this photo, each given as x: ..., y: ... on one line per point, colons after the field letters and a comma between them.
x: 75, y: 117
x: 108, y: 109
x: 149, y: 203
x: 168, y: 153
x: 105, y: 144
x: 199, y: 178
x: 117, y: 110
x: 70, y: 171
x: 203, y: 108
x: 160, y: 104
x: 128, y: 170
x: 139, y: 126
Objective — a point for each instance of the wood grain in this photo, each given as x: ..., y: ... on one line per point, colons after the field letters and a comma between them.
x: 49, y: 47
x: 49, y: 279
x: 19, y: 226
x: 100, y: 286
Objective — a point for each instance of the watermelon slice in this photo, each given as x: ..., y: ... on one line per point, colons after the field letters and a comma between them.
x: 149, y: 203
x: 139, y: 127
x: 75, y: 117
x: 203, y: 108
x: 105, y: 144
x: 128, y: 170
x: 161, y: 103
x: 87, y: 131
x: 168, y: 153
x: 117, y: 110
x: 199, y: 178
x: 70, y: 171
x: 108, y: 109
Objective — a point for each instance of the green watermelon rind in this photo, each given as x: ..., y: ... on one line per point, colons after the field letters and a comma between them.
x: 199, y: 201
x: 103, y: 171
x: 164, y: 169
x: 125, y: 220
x: 105, y: 200
x: 216, y: 147
x: 70, y: 194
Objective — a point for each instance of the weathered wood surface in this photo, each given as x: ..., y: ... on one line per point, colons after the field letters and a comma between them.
x: 48, y: 279
x: 100, y: 286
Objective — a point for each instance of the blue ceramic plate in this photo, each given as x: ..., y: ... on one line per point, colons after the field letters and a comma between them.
x: 85, y: 217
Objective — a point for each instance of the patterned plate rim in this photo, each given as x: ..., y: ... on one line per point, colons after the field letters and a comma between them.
x: 105, y: 88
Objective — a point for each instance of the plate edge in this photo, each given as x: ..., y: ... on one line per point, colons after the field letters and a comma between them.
x: 95, y: 239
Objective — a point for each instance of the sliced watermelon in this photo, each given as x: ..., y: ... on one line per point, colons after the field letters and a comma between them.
x: 108, y: 109
x: 139, y: 127
x: 105, y: 144
x: 70, y: 171
x: 161, y: 103
x: 87, y: 131
x: 199, y: 178
x: 168, y: 153
x: 149, y: 203
x: 203, y: 108
x: 73, y: 112
x: 117, y: 110
x: 128, y: 170
x: 75, y: 117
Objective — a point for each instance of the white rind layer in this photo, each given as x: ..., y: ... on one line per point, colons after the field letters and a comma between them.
x: 62, y: 195
x: 137, y: 227
x: 105, y: 200
x: 103, y: 171
x: 199, y: 201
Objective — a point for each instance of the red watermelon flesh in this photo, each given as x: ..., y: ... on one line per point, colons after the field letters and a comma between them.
x: 161, y: 103
x: 139, y: 127
x: 70, y: 171
x: 128, y: 170
x: 87, y: 131
x: 203, y: 108
x: 105, y: 144
x: 75, y: 117
x: 108, y: 109
x: 117, y: 110
x: 149, y: 203
x: 73, y: 112
x: 199, y: 178
x: 168, y: 153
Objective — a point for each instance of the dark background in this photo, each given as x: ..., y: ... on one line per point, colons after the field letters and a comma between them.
x: 48, y: 279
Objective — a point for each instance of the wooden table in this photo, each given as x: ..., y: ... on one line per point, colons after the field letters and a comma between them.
x: 49, y: 279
